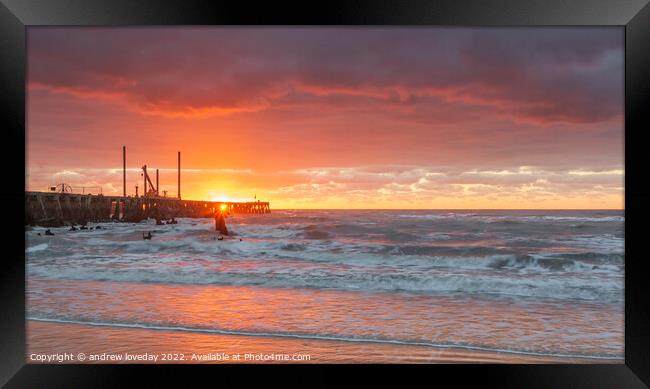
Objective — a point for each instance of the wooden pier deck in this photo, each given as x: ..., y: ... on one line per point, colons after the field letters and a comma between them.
x: 52, y: 209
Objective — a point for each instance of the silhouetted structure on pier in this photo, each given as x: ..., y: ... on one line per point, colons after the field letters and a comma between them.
x: 60, y: 208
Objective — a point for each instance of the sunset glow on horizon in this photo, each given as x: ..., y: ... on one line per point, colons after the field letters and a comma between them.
x: 338, y: 118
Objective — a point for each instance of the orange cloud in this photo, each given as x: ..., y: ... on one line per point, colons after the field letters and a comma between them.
x: 428, y: 117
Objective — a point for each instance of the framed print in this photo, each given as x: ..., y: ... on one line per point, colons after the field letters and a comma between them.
x: 429, y: 188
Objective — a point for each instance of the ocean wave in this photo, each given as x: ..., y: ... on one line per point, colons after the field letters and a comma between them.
x: 293, y: 247
x: 577, y: 262
x: 569, y: 286
x: 433, y: 250
x: 314, y: 232
x: 38, y: 247
x: 419, y: 255
x: 439, y: 236
x: 352, y: 251
x: 514, y: 218
x: 605, y: 243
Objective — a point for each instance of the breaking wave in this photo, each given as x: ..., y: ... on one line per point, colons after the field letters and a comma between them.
x: 539, y: 256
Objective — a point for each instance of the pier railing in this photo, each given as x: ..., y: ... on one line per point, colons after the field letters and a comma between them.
x: 57, y: 209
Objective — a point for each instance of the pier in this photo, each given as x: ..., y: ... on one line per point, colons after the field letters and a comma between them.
x: 57, y: 209
x: 61, y: 207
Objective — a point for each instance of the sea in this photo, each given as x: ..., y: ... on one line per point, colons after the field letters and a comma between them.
x: 336, y: 286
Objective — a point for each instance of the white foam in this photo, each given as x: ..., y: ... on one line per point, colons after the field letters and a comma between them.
x: 38, y: 247
x: 323, y: 337
x: 278, y: 255
x: 525, y: 218
x: 602, y: 287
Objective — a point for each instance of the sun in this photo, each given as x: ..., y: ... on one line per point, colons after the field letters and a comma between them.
x: 227, y: 199
x: 224, y: 199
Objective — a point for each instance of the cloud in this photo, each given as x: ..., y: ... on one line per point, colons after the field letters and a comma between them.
x: 365, y: 116
x: 365, y: 186
x: 615, y: 172
x: 421, y: 186
x: 534, y: 75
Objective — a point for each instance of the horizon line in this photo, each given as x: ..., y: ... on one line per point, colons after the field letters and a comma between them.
x: 449, y: 209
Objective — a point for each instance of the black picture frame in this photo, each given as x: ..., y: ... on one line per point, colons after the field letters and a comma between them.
x: 634, y: 15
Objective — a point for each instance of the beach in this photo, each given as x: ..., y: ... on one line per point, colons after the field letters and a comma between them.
x: 336, y: 286
x: 45, y: 337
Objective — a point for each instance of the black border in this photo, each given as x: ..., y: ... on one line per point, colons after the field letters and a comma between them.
x: 15, y: 15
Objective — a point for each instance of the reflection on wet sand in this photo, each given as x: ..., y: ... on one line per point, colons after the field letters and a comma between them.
x: 44, y: 338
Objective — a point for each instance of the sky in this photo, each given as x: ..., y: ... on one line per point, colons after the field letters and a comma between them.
x: 329, y: 117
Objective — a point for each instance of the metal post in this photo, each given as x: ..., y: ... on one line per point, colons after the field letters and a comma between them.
x: 157, y: 193
x: 144, y: 175
x: 179, y: 174
x: 124, y: 169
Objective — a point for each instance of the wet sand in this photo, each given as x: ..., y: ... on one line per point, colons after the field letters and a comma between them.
x: 414, y: 327
x: 49, y: 338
